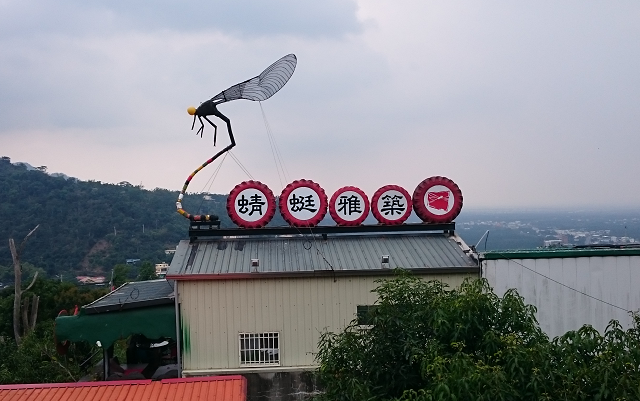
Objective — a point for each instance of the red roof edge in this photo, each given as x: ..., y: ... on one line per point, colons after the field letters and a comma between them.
x: 122, y: 382
x: 203, y: 379
x: 65, y: 385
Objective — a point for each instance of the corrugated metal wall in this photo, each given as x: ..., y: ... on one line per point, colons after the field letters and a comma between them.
x: 614, y: 279
x: 214, y: 312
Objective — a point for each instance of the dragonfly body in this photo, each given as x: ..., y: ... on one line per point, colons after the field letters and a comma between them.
x: 258, y: 88
x: 209, y: 108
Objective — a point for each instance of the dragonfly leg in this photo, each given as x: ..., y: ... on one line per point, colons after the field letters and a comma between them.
x: 201, y: 129
x: 215, y: 130
x: 226, y: 120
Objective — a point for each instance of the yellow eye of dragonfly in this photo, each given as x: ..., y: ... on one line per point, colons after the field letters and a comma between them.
x: 191, y: 110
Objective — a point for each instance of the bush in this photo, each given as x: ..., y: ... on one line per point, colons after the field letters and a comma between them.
x: 427, y: 342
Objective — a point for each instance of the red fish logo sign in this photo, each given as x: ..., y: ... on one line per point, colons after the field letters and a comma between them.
x: 439, y: 200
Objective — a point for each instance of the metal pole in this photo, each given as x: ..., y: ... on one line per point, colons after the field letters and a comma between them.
x: 178, y: 328
x: 105, y: 363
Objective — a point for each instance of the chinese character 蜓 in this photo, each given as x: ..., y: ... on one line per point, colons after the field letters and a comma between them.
x: 301, y: 203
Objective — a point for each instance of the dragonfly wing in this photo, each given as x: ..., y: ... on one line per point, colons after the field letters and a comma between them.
x: 264, y: 85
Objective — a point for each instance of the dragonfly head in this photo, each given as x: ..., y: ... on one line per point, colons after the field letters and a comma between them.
x: 191, y: 110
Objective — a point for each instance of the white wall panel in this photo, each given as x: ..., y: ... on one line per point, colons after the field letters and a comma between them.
x: 214, y: 312
x: 614, y: 279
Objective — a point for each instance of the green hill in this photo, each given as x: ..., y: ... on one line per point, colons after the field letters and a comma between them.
x: 89, y: 226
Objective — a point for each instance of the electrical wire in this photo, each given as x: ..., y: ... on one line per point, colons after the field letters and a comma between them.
x: 273, y: 151
x: 318, y: 251
x: 240, y: 165
x: 212, y: 179
x: 562, y: 284
x: 277, y: 156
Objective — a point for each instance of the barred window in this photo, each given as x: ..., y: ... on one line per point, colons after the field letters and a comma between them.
x: 259, y: 349
x: 363, y: 313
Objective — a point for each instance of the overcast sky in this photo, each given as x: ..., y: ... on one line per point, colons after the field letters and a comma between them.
x: 522, y: 104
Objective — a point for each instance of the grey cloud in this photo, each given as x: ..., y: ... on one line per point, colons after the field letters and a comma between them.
x: 245, y: 18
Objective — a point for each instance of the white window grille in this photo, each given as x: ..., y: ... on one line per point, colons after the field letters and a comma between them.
x: 260, y: 349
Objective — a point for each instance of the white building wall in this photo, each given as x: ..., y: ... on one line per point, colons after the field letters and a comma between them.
x: 613, y: 279
x: 214, y: 312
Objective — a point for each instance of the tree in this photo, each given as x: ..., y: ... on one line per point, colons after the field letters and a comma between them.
x: 120, y: 274
x: 427, y: 342
x: 36, y: 359
x: 28, y: 323
x: 147, y: 272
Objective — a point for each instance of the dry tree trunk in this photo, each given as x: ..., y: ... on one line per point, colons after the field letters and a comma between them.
x: 34, y: 311
x: 25, y: 316
x: 18, y: 291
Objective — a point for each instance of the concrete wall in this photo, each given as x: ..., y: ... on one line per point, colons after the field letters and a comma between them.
x: 214, y: 312
x: 613, y: 279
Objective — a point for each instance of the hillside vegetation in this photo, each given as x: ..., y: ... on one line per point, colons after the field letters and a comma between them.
x: 89, y: 226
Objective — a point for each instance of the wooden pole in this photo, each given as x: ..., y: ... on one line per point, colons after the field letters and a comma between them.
x: 17, y: 293
x: 17, y: 287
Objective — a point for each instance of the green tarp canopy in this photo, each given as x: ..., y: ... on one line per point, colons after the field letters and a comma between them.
x: 108, y: 327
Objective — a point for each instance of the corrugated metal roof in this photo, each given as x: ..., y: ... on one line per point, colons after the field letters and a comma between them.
x: 134, y: 295
x: 576, y: 252
x: 304, y: 254
x: 215, y: 388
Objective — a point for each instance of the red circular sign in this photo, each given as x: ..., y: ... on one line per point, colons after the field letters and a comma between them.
x: 349, y: 206
x: 303, y: 203
x: 391, y: 205
x: 251, y: 204
x: 437, y: 200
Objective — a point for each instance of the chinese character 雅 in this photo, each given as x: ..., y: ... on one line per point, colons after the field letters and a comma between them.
x: 349, y: 204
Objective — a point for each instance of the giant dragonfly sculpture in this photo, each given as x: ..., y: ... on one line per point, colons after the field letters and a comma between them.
x: 259, y: 88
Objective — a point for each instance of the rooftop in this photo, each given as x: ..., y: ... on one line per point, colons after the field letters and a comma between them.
x: 295, y: 255
x: 572, y: 252
x: 215, y: 388
x: 137, y: 294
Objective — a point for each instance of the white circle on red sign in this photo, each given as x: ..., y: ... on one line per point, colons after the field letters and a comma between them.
x: 437, y: 200
x: 303, y: 203
x: 391, y: 205
x: 251, y: 204
x: 349, y: 206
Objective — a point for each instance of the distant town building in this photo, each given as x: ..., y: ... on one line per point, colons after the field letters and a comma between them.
x: 91, y: 280
x: 161, y: 269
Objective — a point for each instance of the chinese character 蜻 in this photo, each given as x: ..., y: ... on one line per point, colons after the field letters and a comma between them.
x: 255, y: 201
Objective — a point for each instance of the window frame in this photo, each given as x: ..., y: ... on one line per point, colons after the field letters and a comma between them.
x: 262, y: 339
x: 363, y: 316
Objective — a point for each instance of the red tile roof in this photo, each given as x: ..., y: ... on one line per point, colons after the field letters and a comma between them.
x: 214, y: 388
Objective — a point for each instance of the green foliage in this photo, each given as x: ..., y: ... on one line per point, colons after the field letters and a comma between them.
x: 90, y: 226
x: 428, y: 342
x: 54, y: 297
x: 147, y: 272
x: 36, y: 359
x: 120, y: 274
